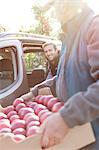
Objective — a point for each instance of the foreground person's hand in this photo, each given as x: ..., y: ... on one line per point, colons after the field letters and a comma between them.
x: 53, y: 130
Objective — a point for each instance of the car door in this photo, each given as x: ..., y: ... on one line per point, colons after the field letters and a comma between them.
x: 13, y: 81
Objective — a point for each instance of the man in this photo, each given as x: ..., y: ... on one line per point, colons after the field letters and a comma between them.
x: 77, y: 80
x: 52, y: 55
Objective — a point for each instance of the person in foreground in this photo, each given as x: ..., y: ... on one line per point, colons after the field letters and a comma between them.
x: 52, y: 55
x: 77, y: 79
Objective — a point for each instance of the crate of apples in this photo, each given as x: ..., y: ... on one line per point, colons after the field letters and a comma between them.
x: 23, y: 119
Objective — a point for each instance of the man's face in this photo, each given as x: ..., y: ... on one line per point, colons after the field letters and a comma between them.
x: 50, y: 52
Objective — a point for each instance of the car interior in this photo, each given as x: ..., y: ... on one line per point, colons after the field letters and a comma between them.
x: 36, y: 72
x: 6, y: 69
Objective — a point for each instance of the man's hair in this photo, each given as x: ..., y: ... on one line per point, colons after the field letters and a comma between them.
x: 46, y: 44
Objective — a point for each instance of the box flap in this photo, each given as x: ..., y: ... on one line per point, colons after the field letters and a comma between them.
x: 33, y: 143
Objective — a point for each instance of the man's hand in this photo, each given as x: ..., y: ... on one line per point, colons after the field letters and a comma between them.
x: 53, y: 130
x: 28, y: 97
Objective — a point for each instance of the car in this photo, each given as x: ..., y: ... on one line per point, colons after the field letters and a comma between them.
x: 22, y: 64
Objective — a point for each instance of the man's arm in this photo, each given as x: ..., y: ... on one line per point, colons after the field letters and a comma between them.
x: 84, y: 106
x: 34, y: 91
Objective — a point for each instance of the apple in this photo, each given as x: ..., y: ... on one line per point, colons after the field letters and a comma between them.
x: 42, y: 112
x: 46, y: 99
x: 8, y: 109
x: 3, y: 116
x: 45, y: 116
x: 11, y: 113
x: 5, y: 120
x: 14, y: 117
x: 57, y: 106
x: 35, y: 107
x: 32, y: 130
x: 32, y: 118
x: 19, y: 131
x: 39, y: 108
x: 52, y: 102
x: 37, y: 98
x: 41, y: 98
x: 19, y: 137
x: 33, y: 123
x: 19, y: 106
x: 18, y: 124
x: 5, y: 124
x: 23, y: 111
x: 9, y: 134
x: 17, y: 101
x: 31, y: 104
x: 28, y: 115
x: 5, y: 130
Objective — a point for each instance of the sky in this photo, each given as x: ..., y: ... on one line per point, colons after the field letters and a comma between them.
x: 16, y: 13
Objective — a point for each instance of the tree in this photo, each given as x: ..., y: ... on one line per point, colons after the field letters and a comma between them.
x: 42, y: 23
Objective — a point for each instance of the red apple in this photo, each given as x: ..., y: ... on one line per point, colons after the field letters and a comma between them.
x: 33, y: 123
x: 17, y: 124
x: 4, y: 124
x: 3, y: 116
x: 17, y: 101
x: 46, y: 99
x: 28, y: 115
x: 39, y: 108
x: 32, y: 130
x: 23, y: 111
x: 42, y: 112
x: 8, y: 134
x: 19, y: 137
x: 14, y: 117
x: 31, y: 104
x: 5, y: 130
x: 52, y: 102
x: 19, y: 131
x: 35, y: 107
x: 32, y: 118
x: 37, y: 98
x: 5, y: 120
x: 19, y: 106
x: 45, y: 116
x: 11, y: 113
x: 41, y: 99
x: 57, y: 106
x: 8, y: 109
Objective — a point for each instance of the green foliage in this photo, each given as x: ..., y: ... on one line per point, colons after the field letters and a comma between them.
x: 35, y: 60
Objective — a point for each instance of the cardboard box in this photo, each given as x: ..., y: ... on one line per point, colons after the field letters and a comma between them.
x: 77, y: 138
x: 33, y: 143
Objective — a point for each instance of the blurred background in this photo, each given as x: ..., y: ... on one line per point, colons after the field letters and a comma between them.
x: 27, y: 16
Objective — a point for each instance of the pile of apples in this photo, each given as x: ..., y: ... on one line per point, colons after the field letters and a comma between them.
x: 23, y: 119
